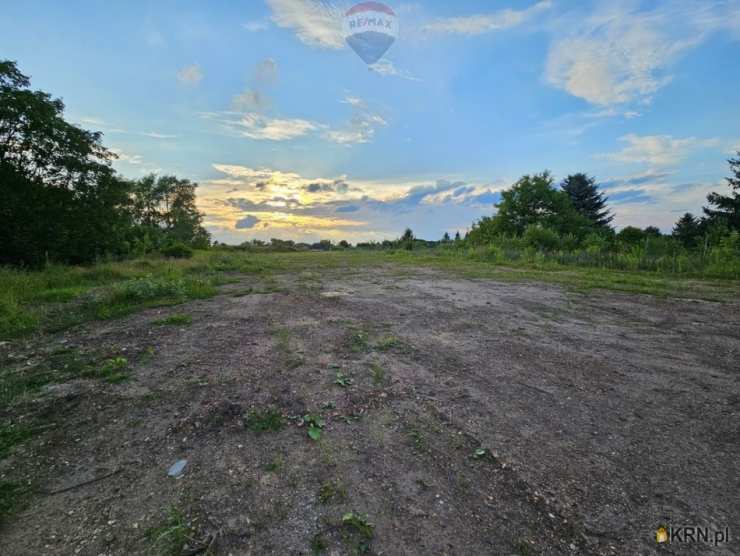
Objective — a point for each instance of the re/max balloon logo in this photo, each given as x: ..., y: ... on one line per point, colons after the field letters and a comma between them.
x: 370, y: 28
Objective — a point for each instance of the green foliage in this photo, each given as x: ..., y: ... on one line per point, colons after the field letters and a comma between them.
x: 631, y: 235
x: 11, y: 435
x: 726, y: 208
x: 177, y: 251
x: 332, y: 492
x: 12, y: 496
x: 342, y: 380
x: 175, y: 320
x: 687, y: 231
x: 114, y: 371
x: 407, y: 240
x: 541, y: 238
x: 169, y: 538
x: 268, y: 420
x: 588, y: 201
x: 62, y: 200
x: 314, y: 425
x: 359, y: 526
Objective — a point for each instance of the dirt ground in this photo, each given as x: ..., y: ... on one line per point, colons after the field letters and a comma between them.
x: 477, y: 417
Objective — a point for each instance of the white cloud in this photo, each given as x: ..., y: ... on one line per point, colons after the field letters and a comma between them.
x: 314, y: 23
x: 385, y: 68
x: 486, y: 23
x: 619, y: 55
x: 657, y: 150
x: 155, y: 135
x: 261, y: 128
x: 190, y: 75
x: 361, y: 127
x: 133, y: 159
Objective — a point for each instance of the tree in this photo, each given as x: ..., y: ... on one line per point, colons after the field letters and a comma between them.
x: 457, y: 236
x: 652, y: 231
x: 587, y: 199
x: 61, y: 199
x: 532, y: 201
x: 446, y: 238
x: 407, y: 240
x: 165, y: 211
x: 727, y: 207
x: 687, y: 230
x: 631, y: 235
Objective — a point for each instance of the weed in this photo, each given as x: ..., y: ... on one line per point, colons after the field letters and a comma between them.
x: 114, y: 371
x: 418, y: 440
x: 276, y: 465
x: 358, y: 342
x: 315, y: 425
x: 387, y: 343
x: 170, y: 538
x: 358, y: 526
x: 12, y: 435
x: 12, y: 497
x: 318, y: 544
x: 378, y: 374
x: 332, y: 492
x: 342, y: 380
x: 174, y: 320
x: 268, y: 420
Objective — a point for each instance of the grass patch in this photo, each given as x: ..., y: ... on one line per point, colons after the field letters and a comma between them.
x: 268, y: 420
x: 12, y: 435
x: 358, y: 342
x: 358, y: 531
x: 170, y: 538
x: 378, y: 374
x: 174, y: 320
x: 114, y: 371
x: 332, y: 492
x: 12, y: 498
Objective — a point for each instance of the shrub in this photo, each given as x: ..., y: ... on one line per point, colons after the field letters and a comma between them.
x: 541, y: 238
x: 177, y: 251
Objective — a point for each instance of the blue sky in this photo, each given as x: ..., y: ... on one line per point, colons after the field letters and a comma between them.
x: 291, y: 135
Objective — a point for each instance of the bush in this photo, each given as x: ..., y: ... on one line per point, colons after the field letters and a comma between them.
x: 541, y: 238
x: 177, y: 251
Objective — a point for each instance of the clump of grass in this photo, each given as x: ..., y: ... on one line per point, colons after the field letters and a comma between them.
x: 268, y: 420
x: 387, y: 343
x: 59, y: 366
x: 114, y: 371
x: 332, y: 492
x: 170, y: 538
x: 12, y: 435
x: 358, y: 527
x: 276, y: 465
x: 342, y: 380
x: 358, y: 342
x: 378, y: 374
x: 318, y: 544
x: 12, y: 497
x: 418, y: 441
x: 174, y: 320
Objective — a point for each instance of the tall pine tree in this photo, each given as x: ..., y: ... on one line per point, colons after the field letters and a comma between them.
x: 726, y: 208
x: 587, y: 199
x: 687, y: 230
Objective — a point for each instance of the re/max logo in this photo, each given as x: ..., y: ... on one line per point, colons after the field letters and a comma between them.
x: 361, y: 22
x: 689, y: 534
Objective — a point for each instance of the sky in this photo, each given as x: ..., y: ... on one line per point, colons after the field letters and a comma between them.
x: 291, y: 135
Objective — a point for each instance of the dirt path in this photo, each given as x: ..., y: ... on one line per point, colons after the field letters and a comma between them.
x: 476, y: 418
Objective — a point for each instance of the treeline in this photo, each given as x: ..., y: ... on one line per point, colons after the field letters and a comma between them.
x: 63, y: 202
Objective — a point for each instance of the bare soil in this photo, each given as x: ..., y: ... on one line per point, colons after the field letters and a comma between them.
x: 482, y: 418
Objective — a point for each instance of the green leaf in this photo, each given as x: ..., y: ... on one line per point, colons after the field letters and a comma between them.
x: 314, y: 433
